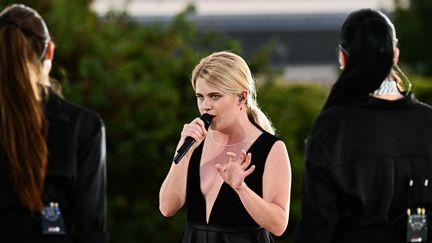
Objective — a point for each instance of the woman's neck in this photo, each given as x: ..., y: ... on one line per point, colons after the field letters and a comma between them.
x: 389, y: 96
x: 388, y: 90
x: 233, y: 136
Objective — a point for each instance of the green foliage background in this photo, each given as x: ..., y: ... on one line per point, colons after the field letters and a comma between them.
x: 137, y: 78
x: 413, y: 26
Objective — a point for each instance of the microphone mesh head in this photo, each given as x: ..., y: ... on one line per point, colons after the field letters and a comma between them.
x: 207, y: 119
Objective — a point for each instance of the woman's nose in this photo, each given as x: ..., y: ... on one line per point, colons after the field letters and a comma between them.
x: 206, y: 106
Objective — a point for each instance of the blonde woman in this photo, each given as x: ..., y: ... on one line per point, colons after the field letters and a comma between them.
x: 236, y: 178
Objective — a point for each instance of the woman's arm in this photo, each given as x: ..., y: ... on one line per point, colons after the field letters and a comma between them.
x: 320, y: 200
x: 172, y: 194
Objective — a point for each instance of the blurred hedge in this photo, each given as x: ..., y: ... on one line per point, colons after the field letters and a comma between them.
x: 413, y: 21
x: 422, y: 88
x: 137, y: 78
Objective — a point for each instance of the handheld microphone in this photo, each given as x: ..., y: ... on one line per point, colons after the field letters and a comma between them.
x: 189, y: 141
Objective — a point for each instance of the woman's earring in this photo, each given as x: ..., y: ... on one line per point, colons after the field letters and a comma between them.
x: 241, y: 97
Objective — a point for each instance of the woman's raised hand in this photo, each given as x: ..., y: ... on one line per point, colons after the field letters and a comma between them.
x: 236, y: 170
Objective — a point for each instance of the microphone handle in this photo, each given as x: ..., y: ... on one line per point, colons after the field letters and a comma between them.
x: 183, y: 149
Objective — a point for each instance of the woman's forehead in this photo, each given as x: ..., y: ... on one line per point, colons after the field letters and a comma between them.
x: 203, y: 86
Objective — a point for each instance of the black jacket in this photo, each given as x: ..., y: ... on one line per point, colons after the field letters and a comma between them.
x: 76, y: 179
x: 359, y: 160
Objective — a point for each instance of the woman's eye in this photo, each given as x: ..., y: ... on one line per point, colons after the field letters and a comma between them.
x: 215, y: 97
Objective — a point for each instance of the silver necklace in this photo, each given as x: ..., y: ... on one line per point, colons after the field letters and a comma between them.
x: 230, y: 145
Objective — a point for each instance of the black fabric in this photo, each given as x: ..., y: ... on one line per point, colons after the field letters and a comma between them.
x: 359, y: 160
x: 76, y: 178
x: 228, y: 210
x: 225, y: 234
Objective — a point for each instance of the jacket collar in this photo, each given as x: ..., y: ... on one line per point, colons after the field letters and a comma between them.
x: 377, y: 103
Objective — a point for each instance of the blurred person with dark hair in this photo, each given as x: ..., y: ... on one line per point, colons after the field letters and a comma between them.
x: 52, y: 161
x: 236, y: 178
x: 368, y: 157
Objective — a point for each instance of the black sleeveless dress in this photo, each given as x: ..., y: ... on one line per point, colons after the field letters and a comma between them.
x: 229, y: 222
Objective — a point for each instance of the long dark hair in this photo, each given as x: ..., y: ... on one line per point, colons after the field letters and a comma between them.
x: 23, y: 43
x: 368, y: 40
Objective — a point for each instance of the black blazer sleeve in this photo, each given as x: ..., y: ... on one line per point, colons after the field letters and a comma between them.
x: 319, y: 201
x: 90, y: 196
x: 77, y: 168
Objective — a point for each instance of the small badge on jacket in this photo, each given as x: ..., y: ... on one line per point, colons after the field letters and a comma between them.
x: 52, y: 220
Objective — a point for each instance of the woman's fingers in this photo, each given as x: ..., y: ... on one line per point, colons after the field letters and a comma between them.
x: 196, y: 133
x: 219, y: 168
x: 231, y: 156
x: 222, y: 170
x: 249, y: 171
x: 236, y: 170
x: 247, y: 161
x: 195, y: 129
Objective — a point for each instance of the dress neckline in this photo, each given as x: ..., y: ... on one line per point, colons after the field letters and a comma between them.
x: 223, y: 185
